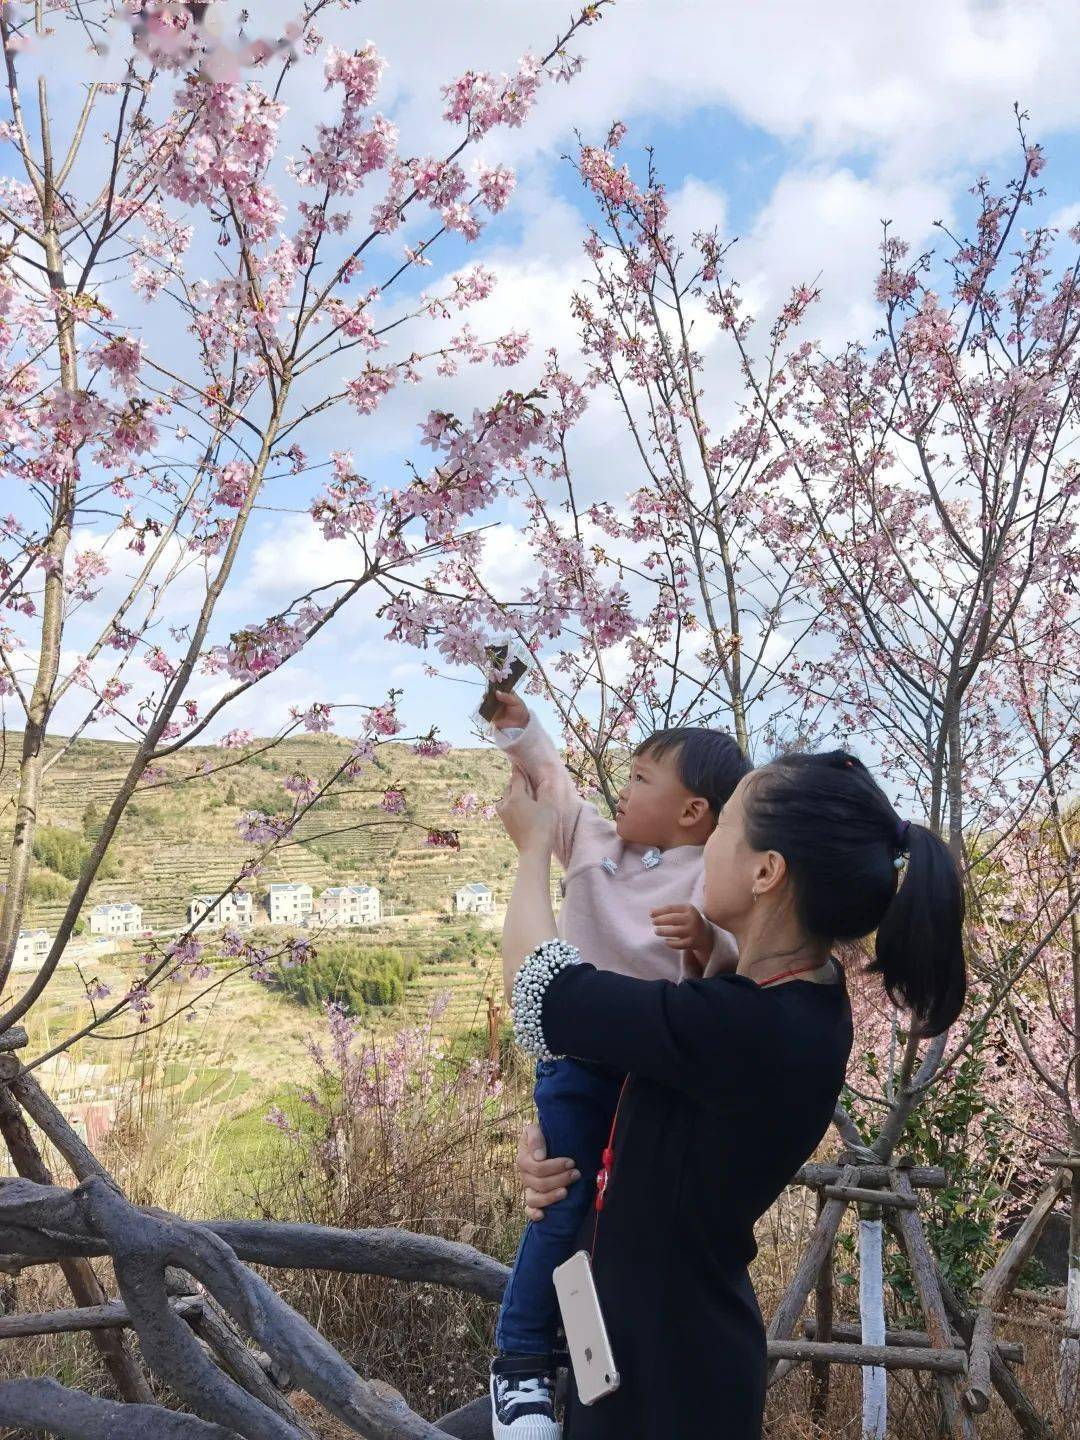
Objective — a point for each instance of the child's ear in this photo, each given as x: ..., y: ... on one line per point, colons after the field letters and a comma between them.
x: 695, y: 810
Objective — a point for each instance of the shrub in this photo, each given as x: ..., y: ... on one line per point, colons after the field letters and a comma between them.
x: 65, y: 852
x: 396, y: 1133
x: 354, y: 977
x: 43, y: 885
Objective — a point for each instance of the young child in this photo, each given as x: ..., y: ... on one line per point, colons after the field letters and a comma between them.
x: 632, y: 900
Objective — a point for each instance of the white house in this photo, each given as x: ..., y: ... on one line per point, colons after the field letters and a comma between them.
x: 233, y: 909
x: 31, y: 947
x: 290, y: 904
x: 475, y: 898
x: 350, y: 905
x: 122, y: 918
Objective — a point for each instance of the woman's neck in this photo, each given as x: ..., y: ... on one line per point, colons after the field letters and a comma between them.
x: 773, y: 945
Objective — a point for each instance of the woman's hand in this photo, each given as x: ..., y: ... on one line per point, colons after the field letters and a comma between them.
x: 529, y: 822
x: 545, y: 1180
x: 512, y: 714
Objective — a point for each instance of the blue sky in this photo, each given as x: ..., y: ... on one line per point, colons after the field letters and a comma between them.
x: 795, y: 127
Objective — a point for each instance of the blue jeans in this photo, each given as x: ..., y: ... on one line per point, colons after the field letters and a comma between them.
x: 575, y: 1105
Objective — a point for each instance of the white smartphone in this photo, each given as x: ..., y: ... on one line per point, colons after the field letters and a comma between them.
x: 586, y: 1334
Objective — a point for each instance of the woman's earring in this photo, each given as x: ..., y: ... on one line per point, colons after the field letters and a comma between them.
x: 754, y: 894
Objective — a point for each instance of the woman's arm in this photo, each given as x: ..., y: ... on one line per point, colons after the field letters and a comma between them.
x: 545, y: 1181
x: 696, y: 1036
x: 530, y: 919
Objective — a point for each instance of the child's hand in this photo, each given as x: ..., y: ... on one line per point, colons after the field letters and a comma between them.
x: 512, y: 714
x: 683, y: 927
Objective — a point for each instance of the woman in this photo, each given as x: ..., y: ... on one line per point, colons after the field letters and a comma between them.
x: 732, y: 1081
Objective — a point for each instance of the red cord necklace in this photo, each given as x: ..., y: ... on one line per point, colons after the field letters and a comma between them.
x: 786, y: 974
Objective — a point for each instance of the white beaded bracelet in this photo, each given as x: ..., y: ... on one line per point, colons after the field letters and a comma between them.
x: 537, y: 971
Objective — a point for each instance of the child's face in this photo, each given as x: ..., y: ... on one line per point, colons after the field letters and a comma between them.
x: 654, y: 805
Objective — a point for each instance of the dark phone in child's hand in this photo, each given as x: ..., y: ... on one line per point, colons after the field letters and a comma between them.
x: 490, y: 704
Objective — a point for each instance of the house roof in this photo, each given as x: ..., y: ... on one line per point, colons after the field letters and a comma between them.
x: 476, y: 887
x: 289, y: 885
x: 106, y: 906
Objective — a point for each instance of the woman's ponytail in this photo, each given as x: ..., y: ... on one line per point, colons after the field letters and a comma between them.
x: 919, y: 951
x: 856, y: 868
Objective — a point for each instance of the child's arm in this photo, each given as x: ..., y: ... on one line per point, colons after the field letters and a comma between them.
x: 706, y: 949
x: 520, y: 735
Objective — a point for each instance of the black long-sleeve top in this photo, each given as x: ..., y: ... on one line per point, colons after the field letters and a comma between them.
x: 731, y: 1088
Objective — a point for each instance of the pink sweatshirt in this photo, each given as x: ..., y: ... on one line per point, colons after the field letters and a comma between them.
x: 609, y: 887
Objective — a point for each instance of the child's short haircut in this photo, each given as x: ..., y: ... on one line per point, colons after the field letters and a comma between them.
x: 709, y: 762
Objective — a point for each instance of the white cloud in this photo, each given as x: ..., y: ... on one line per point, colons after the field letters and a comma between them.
x: 826, y: 225
x: 929, y: 83
x: 289, y: 561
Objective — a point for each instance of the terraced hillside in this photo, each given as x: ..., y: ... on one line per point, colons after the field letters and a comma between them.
x: 179, y: 837
x: 244, y: 1046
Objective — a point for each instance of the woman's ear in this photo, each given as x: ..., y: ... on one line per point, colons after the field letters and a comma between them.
x: 770, y: 873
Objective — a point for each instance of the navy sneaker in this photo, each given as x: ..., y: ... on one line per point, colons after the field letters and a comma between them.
x: 523, y: 1398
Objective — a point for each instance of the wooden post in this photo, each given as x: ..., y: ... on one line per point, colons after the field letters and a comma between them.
x: 927, y: 1284
x: 823, y: 1322
x: 1069, y: 1363
x: 995, y: 1287
x: 494, y: 1017
x: 849, y: 1334
x: 947, y: 1362
x: 872, y: 1322
x: 922, y: 1177
x: 790, y: 1309
x: 212, y: 1324
x: 82, y: 1281
x: 1031, y: 1424
x: 112, y: 1316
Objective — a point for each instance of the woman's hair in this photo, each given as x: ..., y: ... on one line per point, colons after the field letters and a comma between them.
x: 841, y: 839
x: 709, y: 762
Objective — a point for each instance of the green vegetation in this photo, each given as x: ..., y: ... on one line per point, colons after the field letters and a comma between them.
x: 45, y: 885
x: 65, y: 851
x: 469, y: 945
x: 179, y: 840
x: 355, y: 976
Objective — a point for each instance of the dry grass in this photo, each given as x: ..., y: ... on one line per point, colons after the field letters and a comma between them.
x: 427, y: 1144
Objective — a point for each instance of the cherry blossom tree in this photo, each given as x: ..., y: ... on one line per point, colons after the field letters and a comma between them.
x: 183, y: 305
x: 678, y: 599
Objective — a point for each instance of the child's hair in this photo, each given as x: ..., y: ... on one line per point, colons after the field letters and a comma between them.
x: 841, y: 839
x: 709, y: 762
